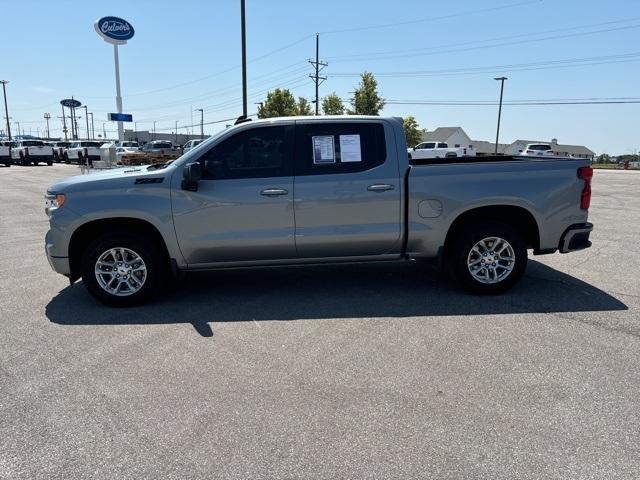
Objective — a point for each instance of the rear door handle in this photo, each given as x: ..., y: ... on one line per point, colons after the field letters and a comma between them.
x: 380, y: 187
x: 273, y: 192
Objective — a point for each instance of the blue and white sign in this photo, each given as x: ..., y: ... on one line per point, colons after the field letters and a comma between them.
x: 114, y: 30
x: 120, y: 117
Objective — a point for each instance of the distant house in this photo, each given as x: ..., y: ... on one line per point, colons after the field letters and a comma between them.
x: 578, y: 151
x: 457, y: 137
x: 452, y: 136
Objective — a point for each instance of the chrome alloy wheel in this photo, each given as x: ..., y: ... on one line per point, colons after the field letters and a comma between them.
x: 491, y: 260
x: 120, y: 271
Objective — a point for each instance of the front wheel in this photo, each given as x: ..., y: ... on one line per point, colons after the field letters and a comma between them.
x: 122, y: 269
x: 487, y: 258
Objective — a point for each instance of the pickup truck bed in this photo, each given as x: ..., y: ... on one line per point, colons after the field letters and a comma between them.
x: 305, y: 190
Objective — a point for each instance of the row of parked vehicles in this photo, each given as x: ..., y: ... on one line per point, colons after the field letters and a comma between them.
x: 428, y: 150
x: 32, y: 152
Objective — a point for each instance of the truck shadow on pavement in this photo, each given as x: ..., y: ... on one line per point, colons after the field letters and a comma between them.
x: 343, y: 291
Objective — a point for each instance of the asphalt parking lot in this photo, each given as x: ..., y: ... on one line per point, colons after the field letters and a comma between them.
x: 373, y: 371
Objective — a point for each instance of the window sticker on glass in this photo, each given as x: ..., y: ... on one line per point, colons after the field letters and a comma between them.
x: 324, y: 150
x: 350, y: 148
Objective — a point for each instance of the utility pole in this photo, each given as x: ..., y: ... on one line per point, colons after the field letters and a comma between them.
x: 6, y: 109
x: 244, y: 62
x: 154, y: 129
x: 202, y: 119
x: 318, y: 66
x: 76, y: 118
x: 64, y: 124
x: 104, y: 132
x: 93, y: 130
x: 47, y: 116
x: 86, y: 117
x: 18, y: 123
x: 501, y: 80
x: 176, y: 131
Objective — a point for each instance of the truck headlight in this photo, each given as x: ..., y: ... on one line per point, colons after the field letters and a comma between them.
x: 53, y: 202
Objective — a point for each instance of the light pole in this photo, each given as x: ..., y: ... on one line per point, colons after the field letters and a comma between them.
x: 202, y: 116
x: 501, y: 80
x: 47, y: 116
x: 6, y: 109
x: 104, y: 132
x: 18, y: 123
x: 176, y: 131
x: 154, y: 129
x: 244, y: 61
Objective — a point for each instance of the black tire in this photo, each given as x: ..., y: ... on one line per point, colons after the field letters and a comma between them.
x: 157, y: 270
x: 50, y: 162
x: 459, y: 254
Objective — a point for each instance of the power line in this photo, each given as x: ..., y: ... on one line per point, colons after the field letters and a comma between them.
x: 541, y: 65
x: 391, y: 55
x: 430, y: 19
x: 343, y: 58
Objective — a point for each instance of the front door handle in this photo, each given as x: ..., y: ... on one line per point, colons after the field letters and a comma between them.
x: 380, y: 187
x: 273, y: 192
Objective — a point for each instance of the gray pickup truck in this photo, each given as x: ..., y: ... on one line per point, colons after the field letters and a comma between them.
x: 310, y: 190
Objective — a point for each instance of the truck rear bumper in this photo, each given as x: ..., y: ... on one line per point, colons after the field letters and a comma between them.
x: 576, y: 237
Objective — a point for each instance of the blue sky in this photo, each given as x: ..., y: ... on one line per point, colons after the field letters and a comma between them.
x: 186, y: 55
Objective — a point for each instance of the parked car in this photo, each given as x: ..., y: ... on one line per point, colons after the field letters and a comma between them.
x: 120, y: 151
x: 27, y: 152
x: 537, y: 150
x: 439, y: 150
x: 59, y: 150
x: 128, y: 144
x: 190, y: 144
x: 5, y: 152
x: 231, y: 202
x: 81, y: 151
x: 159, y: 147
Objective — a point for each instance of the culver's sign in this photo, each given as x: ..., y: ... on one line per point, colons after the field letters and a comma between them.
x: 114, y: 30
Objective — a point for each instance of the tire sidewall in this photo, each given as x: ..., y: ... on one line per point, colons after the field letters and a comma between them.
x: 463, y: 244
x: 143, y: 246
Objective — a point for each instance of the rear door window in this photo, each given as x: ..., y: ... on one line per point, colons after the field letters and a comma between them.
x: 330, y: 148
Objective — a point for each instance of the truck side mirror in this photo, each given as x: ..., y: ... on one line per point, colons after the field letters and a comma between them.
x: 191, y: 175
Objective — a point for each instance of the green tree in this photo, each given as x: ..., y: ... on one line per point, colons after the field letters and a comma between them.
x: 303, y: 107
x: 279, y: 103
x: 366, y: 100
x: 412, y: 131
x: 604, y: 158
x: 332, y: 105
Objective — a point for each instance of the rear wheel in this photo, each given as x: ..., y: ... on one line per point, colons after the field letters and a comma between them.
x: 487, y: 258
x: 122, y: 269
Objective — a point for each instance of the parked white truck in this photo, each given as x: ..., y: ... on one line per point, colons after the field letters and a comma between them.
x: 5, y: 152
x: 426, y: 150
x: 27, y: 152
x: 80, y: 151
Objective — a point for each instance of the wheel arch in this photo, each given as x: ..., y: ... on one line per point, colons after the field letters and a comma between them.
x: 521, y: 219
x: 86, y: 232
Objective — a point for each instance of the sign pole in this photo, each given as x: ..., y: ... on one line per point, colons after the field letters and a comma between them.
x: 118, y: 96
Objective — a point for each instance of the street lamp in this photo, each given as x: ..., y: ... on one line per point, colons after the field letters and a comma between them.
x: 86, y: 117
x: 6, y: 109
x: 501, y: 80
x: 201, y: 122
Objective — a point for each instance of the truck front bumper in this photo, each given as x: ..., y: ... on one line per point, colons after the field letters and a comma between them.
x: 58, y: 264
x: 576, y: 237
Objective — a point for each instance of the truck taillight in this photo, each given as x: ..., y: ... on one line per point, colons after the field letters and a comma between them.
x: 586, y: 174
